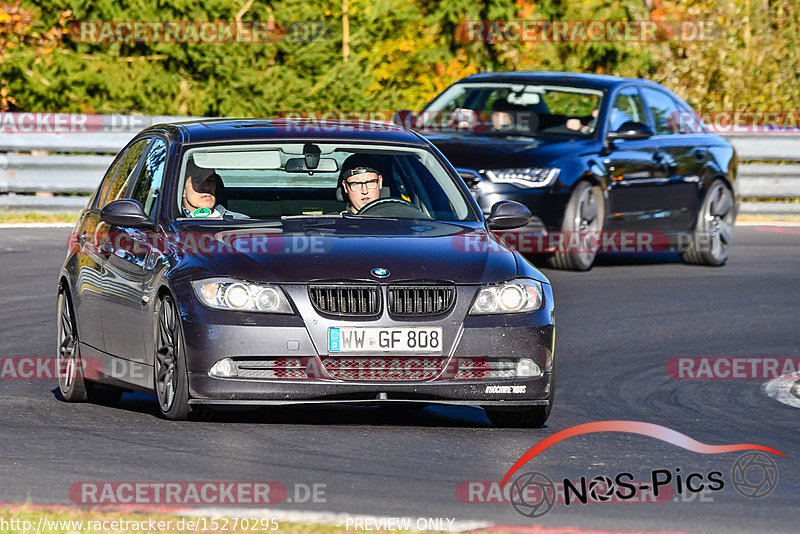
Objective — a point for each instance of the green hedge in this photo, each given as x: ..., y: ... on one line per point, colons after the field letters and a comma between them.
x: 401, y: 53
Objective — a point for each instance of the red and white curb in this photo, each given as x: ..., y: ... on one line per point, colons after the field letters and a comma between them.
x: 343, y: 521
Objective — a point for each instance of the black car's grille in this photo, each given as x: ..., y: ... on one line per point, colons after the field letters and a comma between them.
x: 346, y: 299
x: 414, y: 300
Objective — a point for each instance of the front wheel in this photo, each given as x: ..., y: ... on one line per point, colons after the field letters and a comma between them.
x: 169, y: 366
x: 584, y: 215
x: 713, y: 231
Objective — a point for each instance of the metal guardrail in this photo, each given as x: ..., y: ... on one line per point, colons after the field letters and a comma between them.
x: 28, y: 165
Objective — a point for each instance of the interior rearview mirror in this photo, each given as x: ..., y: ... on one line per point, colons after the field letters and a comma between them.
x: 301, y: 165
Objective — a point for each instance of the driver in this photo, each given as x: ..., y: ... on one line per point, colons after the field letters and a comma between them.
x: 361, y: 181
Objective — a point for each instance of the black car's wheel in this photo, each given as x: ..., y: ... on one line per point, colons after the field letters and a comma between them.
x: 169, y: 365
x: 584, y: 214
x: 713, y: 231
x: 69, y: 364
x: 532, y: 417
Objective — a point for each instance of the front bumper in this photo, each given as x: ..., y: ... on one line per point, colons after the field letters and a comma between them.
x: 212, y: 335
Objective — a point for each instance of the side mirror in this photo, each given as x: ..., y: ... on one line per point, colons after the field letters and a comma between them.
x: 405, y: 118
x: 631, y: 130
x: 124, y: 212
x: 508, y: 214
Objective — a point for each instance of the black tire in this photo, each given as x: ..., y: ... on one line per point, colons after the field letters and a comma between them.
x: 585, y: 213
x: 713, y: 232
x: 69, y: 364
x: 170, y: 379
x: 533, y: 417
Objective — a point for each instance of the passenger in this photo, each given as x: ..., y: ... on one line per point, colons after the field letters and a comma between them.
x: 200, y: 194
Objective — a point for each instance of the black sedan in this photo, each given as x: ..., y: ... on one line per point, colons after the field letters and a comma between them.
x: 252, y: 262
x: 589, y: 153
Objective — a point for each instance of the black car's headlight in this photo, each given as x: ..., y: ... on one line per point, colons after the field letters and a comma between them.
x: 525, y: 177
x: 241, y: 296
x: 517, y: 296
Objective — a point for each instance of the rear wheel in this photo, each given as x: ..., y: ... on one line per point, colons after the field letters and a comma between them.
x: 713, y: 232
x: 169, y: 367
x: 584, y: 214
x: 69, y: 364
x: 72, y: 384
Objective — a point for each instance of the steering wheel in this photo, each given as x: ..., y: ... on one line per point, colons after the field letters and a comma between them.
x: 392, y: 207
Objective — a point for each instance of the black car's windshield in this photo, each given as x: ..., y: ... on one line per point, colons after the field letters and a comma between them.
x: 270, y: 181
x: 514, y: 109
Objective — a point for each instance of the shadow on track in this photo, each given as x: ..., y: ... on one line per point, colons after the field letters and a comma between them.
x: 321, y: 414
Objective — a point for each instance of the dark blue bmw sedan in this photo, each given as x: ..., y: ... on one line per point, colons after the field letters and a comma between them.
x: 251, y: 262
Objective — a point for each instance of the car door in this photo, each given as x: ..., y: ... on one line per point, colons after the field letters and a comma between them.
x: 634, y: 168
x: 684, y: 160
x: 90, y: 263
x: 121, y: 282
x: 129, y: 267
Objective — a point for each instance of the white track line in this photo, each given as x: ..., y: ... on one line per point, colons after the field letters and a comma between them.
x: 773, y: 223
x: 780, y: 389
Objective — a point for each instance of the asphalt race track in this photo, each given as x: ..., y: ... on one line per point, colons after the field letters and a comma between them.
x: 617, y: 327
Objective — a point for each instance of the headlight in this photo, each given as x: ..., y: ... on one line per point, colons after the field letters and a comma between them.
x: 241, y: 296
x: 517, y: 296
x: 528, y: 177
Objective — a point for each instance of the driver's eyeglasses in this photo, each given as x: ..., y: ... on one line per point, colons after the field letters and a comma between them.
x: 371, y: 184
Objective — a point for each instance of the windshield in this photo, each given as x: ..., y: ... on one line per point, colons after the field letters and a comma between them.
x: 514, y: 109
x: 270, y: 181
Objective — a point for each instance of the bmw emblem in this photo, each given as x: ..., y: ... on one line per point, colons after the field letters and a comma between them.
x: 380, y: 272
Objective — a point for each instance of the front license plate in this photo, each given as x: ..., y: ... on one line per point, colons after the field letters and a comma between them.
x: 406, y: 339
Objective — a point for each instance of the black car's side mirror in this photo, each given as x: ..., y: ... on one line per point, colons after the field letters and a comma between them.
x: 508, y: 214
x: 631, y: 130
x: 126, y: 212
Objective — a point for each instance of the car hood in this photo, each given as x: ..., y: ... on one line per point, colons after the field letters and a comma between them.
x: 505, y: 152
x: 296, y: 251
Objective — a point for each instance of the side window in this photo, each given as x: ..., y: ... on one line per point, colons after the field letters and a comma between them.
x: 628, y: 106
x: 664, y: 110
x: 690, y: 121
x: 148, y: 183
x: 105, y: 184
x: 115, y: 188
